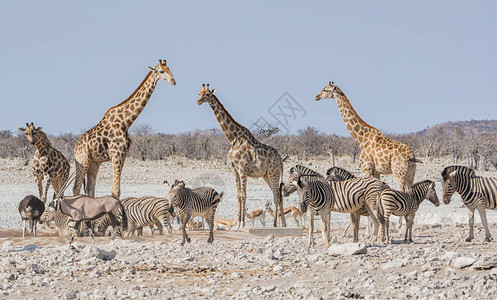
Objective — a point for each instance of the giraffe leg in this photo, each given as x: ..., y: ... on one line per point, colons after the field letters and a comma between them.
x: 81, y: 170
x: 91, y: 176
x: 49, y: 179
x: 242, y: 200
x: 117, y: 166
x: 39, y: 183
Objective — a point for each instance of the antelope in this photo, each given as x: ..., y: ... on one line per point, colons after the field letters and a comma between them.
x: 226, y: 222
x: 294, y: 212
x: 259, y: 214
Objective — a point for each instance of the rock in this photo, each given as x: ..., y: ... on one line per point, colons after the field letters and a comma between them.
x: 70, y: 295
x: 278, y: 269
x: 93, y: 251
x: 487, y: 262
x: 449, y: 255
x: 235, y: 275
x: 463, y: 262
x: 8, y: 245
x: 347, y: 249
x: 392, y: 264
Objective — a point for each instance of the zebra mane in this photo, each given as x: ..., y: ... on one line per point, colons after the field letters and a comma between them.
x: 340, y: 171
x: 460, y: 169
x: 421, y: 183
x: 304, y: 171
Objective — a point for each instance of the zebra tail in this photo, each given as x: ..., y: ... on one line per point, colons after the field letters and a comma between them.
x: 414, y: 160
x: 381, y: 210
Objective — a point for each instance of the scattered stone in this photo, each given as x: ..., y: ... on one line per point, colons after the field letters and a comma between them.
x: 487, y: 262
x: 70, y: 295
x: 94, y: 251
x: 8, y: 245
x: 347, y: 249
x: 392, y: 264
x: 463, y: 262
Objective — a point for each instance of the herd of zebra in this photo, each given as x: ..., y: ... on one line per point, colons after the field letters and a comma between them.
x: 338, y: 191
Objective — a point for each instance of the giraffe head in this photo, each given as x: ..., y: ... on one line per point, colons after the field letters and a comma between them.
x: 206, y: 95
x: 330, y: 91
x: 31, y: 133
x: 163, y: 72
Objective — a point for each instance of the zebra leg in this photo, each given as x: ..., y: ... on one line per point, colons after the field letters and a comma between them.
x: 311, y: 229
x: 355, y: 226
x: 185, y: 220
x: 483, y: 217
x: 411, y: 219
x: 471, y: 221
x: 387, y: 228
x: 325, y: 221
x: 384, y: 220
x: 210, y: 222
x: 374, y: 219
x: 160, y: 227
x: 348, y: 226
x: 408, y: 228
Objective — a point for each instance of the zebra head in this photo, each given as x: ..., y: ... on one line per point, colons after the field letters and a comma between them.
x: 448, y: 186
x: 172, y: 194
x: 330, y: 91
x: 431, y: 194
x: 303, y: 192
x: 288, y: 188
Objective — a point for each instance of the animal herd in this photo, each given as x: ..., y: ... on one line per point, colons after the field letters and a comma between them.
x: 338, y: 191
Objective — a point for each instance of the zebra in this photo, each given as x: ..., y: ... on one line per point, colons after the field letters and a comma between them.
x: 63, y: 222
x: 190, y: 203
x: 404, y: 204
x: 349, y: 196
x: 316, y: 198
x: 147, y: 211
x: 336, y: 173
x: 476, y: 193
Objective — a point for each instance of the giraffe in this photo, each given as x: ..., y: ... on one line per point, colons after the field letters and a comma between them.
x: 379, y: 154
x: 48, y: 162
x: 248, y: 157
x: 109, y: 139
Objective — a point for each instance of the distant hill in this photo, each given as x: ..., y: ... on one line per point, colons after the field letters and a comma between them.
x: 469, y: 128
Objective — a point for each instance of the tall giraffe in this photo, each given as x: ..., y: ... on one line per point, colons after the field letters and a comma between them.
x: 248, y: 157
x: 109, y: 139
x: 379, y: 154
x: 48, y: 162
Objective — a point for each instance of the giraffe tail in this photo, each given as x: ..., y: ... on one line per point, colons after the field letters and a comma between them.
x: 414, y: 160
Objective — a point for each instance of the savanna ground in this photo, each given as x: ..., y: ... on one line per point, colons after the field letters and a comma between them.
x: 439, y: 264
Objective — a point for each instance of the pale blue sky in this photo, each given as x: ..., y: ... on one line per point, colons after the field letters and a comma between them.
x: 404, y: 65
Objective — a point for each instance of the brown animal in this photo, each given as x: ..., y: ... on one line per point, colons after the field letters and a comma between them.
x: 259, y: 214
x: 379, y: 154
x: 83, y: 208
x: 48, y: 162
x: 294, y: 212
x: 109, y: 139
x: 225, y: 222
x: 248, y: 156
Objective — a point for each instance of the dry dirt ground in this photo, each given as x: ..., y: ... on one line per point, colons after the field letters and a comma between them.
x: 438, y: 265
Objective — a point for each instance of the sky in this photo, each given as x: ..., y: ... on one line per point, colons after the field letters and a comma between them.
x: 404, y: 65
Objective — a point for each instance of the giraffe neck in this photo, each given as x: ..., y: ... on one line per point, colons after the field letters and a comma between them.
x: 127, y: 111
x: 41, y: 142
x: 359, y: 129
x: 232, y: 130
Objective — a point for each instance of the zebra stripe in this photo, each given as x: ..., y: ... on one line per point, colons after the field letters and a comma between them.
x: 147, y: 211
x: 63, y: 222
x: 476, y: 193
x: 338, y: 174
x: 404, y: 204
x: 188, y: 203
x: 306, y: 174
